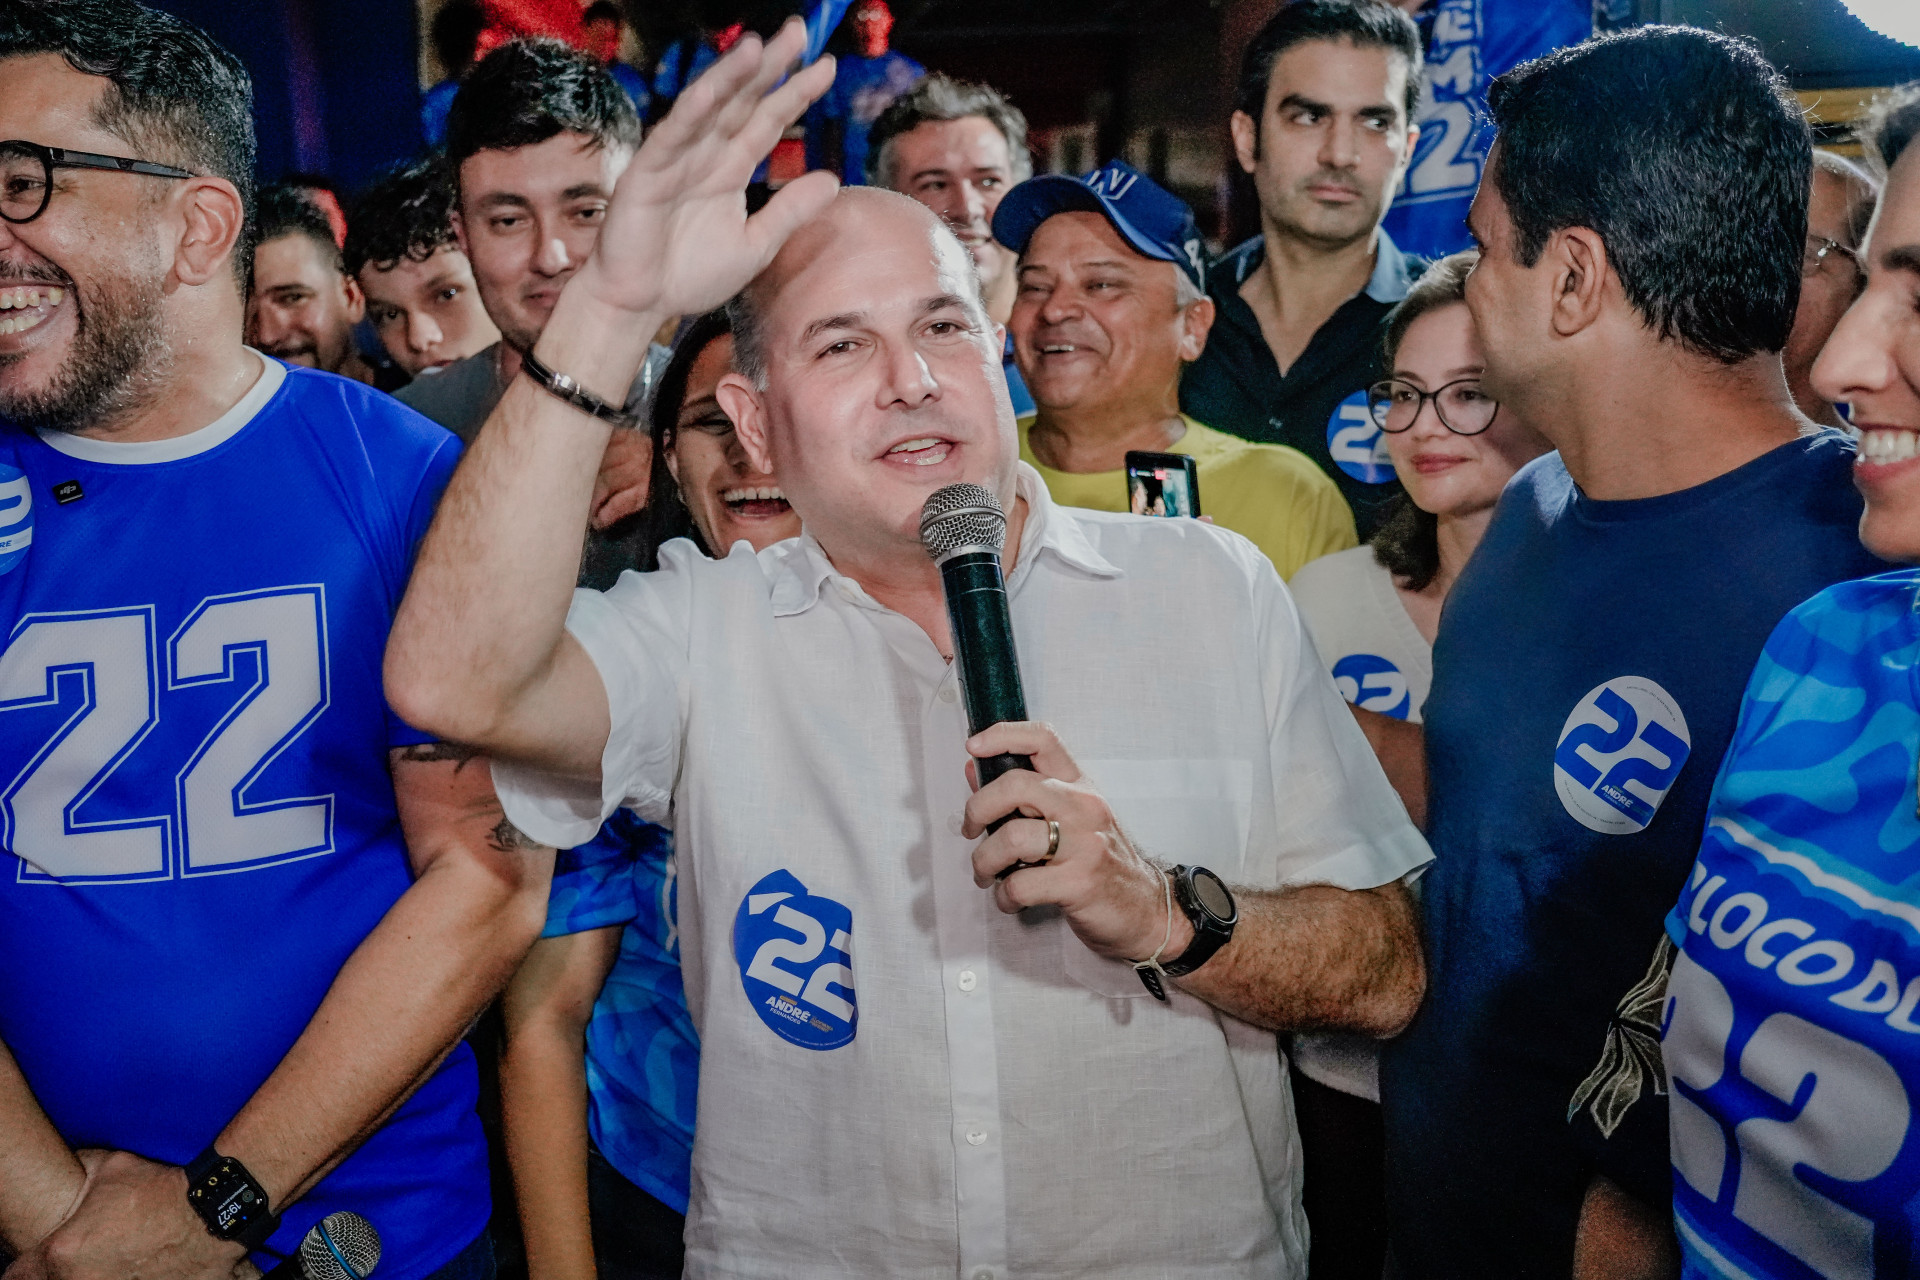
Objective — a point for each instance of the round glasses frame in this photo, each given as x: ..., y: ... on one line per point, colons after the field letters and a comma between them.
x: 1815, y: 256
x: 52, y: 158
x: 1382, y: 393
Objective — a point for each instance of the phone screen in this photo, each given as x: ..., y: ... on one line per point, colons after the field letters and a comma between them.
x: 1162, y: 484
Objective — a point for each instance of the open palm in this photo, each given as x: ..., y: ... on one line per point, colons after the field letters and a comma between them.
x: 677, y: 239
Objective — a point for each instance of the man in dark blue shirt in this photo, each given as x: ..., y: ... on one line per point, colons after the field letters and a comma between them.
x: 1591, y: 661
x: 1321, y: 122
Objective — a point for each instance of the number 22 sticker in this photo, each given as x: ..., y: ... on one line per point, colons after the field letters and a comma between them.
x: 795, y: 953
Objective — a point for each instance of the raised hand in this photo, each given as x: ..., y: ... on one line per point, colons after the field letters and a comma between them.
x: 677, y: 239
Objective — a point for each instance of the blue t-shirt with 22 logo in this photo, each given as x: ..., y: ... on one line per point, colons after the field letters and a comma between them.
x: 1586, y: 682
x: 1792, y: 1038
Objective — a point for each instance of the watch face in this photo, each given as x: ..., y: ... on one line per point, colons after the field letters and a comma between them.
x: 1212, y: 895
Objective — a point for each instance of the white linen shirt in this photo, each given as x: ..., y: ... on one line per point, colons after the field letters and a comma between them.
x: 937, y: 1089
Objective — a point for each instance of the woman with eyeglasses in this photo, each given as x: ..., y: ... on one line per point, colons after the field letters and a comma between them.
x: 611, y: 1130
x: 1373, y: 612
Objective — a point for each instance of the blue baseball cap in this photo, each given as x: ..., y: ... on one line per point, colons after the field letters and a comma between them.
x: 1148, y: 216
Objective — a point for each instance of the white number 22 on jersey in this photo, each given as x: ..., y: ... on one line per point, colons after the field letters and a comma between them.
x: 106, y: 663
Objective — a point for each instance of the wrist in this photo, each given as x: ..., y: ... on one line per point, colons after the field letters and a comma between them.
x: 598, y: 344
x: 232, y: 1200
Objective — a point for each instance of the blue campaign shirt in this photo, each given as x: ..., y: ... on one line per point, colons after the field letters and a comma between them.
x: 435, y: 104
x: 643, y: 1056
x: 1792, y: 1042
x: 1472, y: 41
x: 197, y: 822
x: 861, y: 90
x: 1586, y: 679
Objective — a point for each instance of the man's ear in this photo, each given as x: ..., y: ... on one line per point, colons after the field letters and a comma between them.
x: 459, y: 229
x: 1198, y: 323
x: 741, y: 403
x: 1246, y: 139
x: 1578, y: 257
x: 214, y: 219
x: 356, y: 298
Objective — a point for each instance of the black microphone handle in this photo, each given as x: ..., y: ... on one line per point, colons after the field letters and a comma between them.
x: 983, y: 650
x: 289, y: 1268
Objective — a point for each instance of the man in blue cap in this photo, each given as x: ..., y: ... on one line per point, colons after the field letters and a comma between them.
x: 1111, y: 306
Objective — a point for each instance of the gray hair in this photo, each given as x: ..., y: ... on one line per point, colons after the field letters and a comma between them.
x: 1892, y: 122
x: 937, y: 98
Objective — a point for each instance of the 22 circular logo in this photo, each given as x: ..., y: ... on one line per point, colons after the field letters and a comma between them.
x: 16, y: 517
x: 1619, y: 753
x: 795, y: 953
x: 1357, y: 444
x: 1372, y: 683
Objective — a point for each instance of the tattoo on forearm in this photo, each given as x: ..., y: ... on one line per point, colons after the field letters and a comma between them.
x: 430, y: 752
x: 508, y: 838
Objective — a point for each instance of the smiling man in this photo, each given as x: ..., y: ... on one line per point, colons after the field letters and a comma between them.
x: 419, y: 286
x: 536, y: 138
x: 246, y: 914
x: 904, y: 1071
x: 1110, y: 309
x: 303, y: 304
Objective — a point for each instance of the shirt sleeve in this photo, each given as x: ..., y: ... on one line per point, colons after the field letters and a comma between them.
x: 1340, y: 820
x: 595, y: 884
x: 636, y: 635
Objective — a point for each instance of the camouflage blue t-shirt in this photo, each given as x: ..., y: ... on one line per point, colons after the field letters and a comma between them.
x: 1792, y: 1043
x: 643, y: 1058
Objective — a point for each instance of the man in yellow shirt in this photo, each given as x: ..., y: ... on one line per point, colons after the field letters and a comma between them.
x: 1110, y: 307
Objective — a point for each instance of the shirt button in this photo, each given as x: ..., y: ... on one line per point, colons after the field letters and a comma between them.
x: 967, y: 980
x: 947, y: 694
x: 976, y: 1136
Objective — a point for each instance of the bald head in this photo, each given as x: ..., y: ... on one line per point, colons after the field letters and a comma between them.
x: 862, y: 223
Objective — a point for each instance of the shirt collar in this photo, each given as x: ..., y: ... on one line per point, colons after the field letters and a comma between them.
x: 798, y: 568
x: 1393, y: 270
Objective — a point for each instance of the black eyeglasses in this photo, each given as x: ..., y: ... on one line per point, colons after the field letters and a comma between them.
x: 1394, y: 405
x: 713, y: 423
x: 26, y: 174
x: 1814, y: 256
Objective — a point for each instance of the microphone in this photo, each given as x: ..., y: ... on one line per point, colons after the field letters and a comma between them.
x: 963, y: 528
x: 341, y: 1246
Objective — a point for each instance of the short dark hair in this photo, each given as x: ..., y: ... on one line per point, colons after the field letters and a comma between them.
x: 1640, y: 136
x: 527, y: 91
x: 173, y: 94
x: 939, y: 97
x: 406, y: 213
x: 1892, y: 122
x: 1366, y: 23
x: 1407, y: 543
x: 285, y: 209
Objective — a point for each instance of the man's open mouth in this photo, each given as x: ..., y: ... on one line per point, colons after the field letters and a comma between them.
x: 24, y: 307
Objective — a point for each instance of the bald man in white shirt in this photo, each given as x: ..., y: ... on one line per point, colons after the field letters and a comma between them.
x: 909, y: 1066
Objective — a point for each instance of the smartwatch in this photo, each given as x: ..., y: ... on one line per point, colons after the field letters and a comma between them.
x: 229, y: 1200
x: 1210, y: 910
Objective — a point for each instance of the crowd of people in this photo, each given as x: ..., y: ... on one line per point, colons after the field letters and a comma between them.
x: 472, y: 673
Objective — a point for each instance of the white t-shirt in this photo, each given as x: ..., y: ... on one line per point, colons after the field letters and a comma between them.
x: 1381, y: 662
x: 895, y: 1078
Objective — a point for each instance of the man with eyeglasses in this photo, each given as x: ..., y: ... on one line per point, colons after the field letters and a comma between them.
x: 246, y: 913
x: 1110, y: 307
x: 1589, y: 667
x: 1841, y: 206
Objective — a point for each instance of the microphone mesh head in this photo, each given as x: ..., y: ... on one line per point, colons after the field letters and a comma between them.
x: 962, y: 515
x: 352, y: 1235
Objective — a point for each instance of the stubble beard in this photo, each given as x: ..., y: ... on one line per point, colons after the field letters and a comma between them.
x: 118, y: 357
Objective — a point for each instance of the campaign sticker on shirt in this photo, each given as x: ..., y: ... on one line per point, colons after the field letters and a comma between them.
x: 1619, y: 753
x: 1357, y: 443
x: 16, y: 517
x: 1371, y: 683
x: 795, y: 953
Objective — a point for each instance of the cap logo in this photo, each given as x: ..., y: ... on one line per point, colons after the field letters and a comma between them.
x: 1111, y: 182
x: 1193, y: 254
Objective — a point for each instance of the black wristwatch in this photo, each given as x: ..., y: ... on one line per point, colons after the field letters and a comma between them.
x: 229, y: 1200
x: 1210, y: 909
